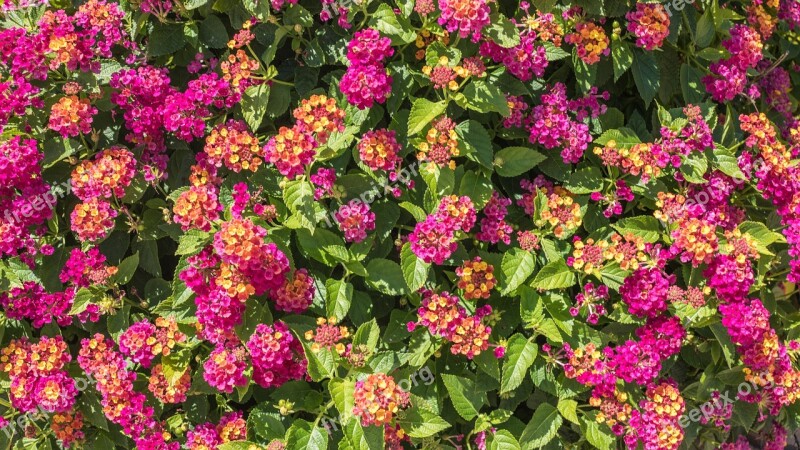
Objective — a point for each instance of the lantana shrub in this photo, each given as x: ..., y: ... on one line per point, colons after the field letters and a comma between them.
x: 439, y: 224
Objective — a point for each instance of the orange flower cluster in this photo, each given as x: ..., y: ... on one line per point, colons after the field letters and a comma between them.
x: 237, y: 69
x: 441, y: 143
x: 71, y: 116
x: 638, y: 160
x: 107, y: 175
x: 476, y: 279
x: 561, y: 213
x: 320, y: 115
x: 612, y: 411
x: 470, y: 337
x: 328, y: 335
x: 165, y: 391
x: 697, y: 240
x: 67, y: 427
x: 92, y: 220
x: 590, y: 40
x: 377, y: 399
x: 197, y: 208
x: 379, y: 149
x: 591, y: 256
x: 233, y: 145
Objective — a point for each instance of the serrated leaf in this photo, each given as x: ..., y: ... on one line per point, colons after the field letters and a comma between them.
x: 514, y: 161
x: 386, y: 276
x: 299, y: 198
x: 542, y: 427
x: 254, y: 105
x: 555, y: 275
x: 622, y: 56
x: 466, y: 397
x: 420, y: 423
x: 585, y: 181
x: 517, y: 266
x: 339, y: 295
x: 503, y: 440
x: 423, y: 111
x: 568, y: 409
x: 646, y: 227
x: 520, y: 354
x: 624, y: 138
x: 415, y: 270
x: 646, y: 75
x: 343, y: 396
x: 596, y: 436
x: 475, y: 142
x: 502, y: 31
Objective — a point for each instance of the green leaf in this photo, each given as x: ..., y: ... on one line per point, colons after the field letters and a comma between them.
x: 165, y: 39
x: 645, y: 227
x: 175, y: 365
x: 254, y: 105
x: 503, y: 440
x: 368, y: 334
x: 520, y: 354
x: 415, y: 270
x: 423, y: 111
x: 213, y: 32
x: 692, y: 85
x: 517, y: 266
x: 398, y: 28
x: 302, y: 435
x: 484, y: 97
x: 386, y: 276
x: 555, y: 275
x: 421, y: 423
x: 339, y: 295
x: 727, y: 163
x: 502, y: 31
x: 238, y: 445
x: 646, y: 75
x: 126, y: 269
x: 705, y: 29
x: 623, y: 57
x: 514, y: 161
x: 343, y: 396
x: 299, y: 198
x: 464, y: 393
x: 542, y: 428
x: 597, y: 436
x: 624, y: 138
x: 568, y: 409
x: 585, y: 181
x: 477, y: 187
x: 416, y: 212
x: 475, y: 143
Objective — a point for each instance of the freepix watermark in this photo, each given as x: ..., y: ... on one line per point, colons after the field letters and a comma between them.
x: 423, y: 375
x: 707, y: 410
x: 37, y: 203
x: 378, y: 190
x: 677, y: 6
x: 23, y: 420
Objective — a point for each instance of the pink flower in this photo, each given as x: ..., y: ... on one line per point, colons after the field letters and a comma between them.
x: 224, y: 369
x: 277, y: 355
x: 355, y: 219
x: 366, y: 84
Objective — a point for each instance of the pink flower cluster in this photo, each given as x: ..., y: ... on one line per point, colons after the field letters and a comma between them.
x: 122, y: 404
x: 649, y: 22
x: 550, y: 124
x: 38, y: 376
x: 728, y: 77
x: 433, y: 240
x: 224, y: 369
x: 645, y: 291
x: 443, y: 316
x: 277, y: 355
x: 494, y: 227
x: 525, y: 60
x: 355, y: 219
x: 30, y: 301
x: 366, y: 80
x: 206, y: 436
x: 468, y: 17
